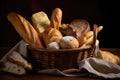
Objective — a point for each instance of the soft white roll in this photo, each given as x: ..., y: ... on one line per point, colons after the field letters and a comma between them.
x: 69, y: 42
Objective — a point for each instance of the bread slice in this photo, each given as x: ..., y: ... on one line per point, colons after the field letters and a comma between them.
x: 14, y: 68
x: 17, y: 58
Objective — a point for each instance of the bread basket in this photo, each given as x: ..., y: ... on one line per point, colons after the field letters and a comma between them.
x: 61, y: 59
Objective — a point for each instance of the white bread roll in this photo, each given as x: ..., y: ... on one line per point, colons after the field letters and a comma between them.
x: 69, y: 42
x: 53, y: 46
x: 25, y: 29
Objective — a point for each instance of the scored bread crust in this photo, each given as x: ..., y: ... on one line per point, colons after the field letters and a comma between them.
x: 52, y: 34
x: 25, y: 29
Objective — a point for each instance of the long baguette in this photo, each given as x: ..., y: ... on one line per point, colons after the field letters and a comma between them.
x: 25, y: 29
x: 53, y: 34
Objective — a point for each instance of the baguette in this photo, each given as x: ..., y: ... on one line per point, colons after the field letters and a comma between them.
x: 108, y: 56
x: 25, y: 29
x: 52, y: 34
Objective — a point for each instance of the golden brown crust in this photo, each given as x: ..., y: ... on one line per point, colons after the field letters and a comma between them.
x: 25, y: 29
x: 87, y: 37
x: 53, y: 34
x: 56, y: 18
x: 108, y: 56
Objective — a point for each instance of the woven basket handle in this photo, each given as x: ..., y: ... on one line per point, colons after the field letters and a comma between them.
x: 95, y: 44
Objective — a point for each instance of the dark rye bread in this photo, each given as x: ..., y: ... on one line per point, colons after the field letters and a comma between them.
x: 75, y: 28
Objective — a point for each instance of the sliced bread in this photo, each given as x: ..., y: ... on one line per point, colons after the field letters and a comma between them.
x: 17, y: 58
x: 14, y: 68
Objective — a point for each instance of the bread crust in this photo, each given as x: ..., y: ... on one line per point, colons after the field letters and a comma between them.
x: 25, y: 29
x: 52, y: 34
x: 75, y: 28
x: 87, y: 37
x: 108, y: 56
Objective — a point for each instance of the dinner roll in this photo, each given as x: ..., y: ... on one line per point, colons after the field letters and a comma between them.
x: 69, y: 42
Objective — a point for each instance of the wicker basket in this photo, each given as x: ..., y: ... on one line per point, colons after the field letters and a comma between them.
x: 61, y: 59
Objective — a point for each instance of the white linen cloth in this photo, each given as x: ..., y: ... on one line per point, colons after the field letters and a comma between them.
x: 92, y: 66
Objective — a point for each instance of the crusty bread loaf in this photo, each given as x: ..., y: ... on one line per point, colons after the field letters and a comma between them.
x: 14, y: 68
x: 17, y: 58
x: 108, y: 56
x: 56, y: 18
x: 75, y: 28
x: 25, y: 29
x: 52, y: 34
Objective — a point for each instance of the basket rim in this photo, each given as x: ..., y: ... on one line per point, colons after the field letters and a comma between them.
x: 60, y: 50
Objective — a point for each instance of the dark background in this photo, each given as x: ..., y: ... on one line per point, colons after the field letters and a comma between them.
x: 100, y: 12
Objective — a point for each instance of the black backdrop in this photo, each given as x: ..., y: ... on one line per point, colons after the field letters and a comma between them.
x: 100, y: 12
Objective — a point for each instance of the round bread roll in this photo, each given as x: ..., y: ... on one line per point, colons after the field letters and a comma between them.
x: 69, y: 42
x: 53, y: 46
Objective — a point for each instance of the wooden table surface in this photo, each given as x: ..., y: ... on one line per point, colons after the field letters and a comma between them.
x: 8, y: 76
x: 33, y: 76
